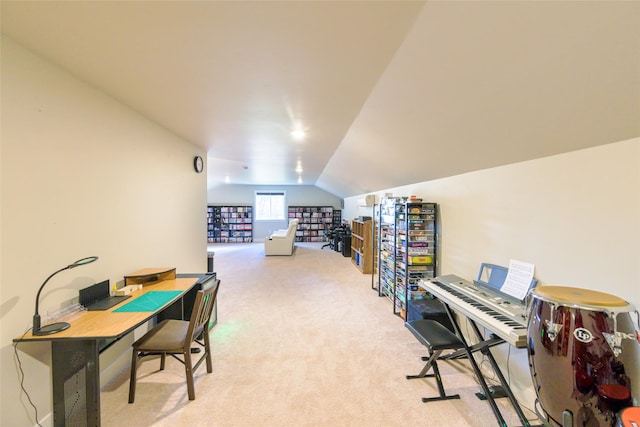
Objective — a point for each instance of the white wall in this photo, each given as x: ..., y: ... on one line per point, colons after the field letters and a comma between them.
x: 297, y: 195
x: 576, y: 216
x: 81, y: 175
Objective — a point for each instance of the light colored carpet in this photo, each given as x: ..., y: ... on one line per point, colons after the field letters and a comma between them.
x: 300, y: 341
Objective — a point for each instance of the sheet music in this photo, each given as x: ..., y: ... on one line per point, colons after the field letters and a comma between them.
x: 518, y: 279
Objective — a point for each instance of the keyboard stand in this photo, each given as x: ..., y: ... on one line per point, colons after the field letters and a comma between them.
x: 484, y: 347
x: 488, y: 343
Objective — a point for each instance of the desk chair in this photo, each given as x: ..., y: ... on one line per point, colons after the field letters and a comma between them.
x: 174, y: 337
x: 329, y: 234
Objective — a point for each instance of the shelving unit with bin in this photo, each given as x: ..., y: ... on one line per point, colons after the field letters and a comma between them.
x: 361, y: 248
x: 387, y: 249
x: 375, y: 241
x: 415, y: 251
x: 229, y: 224
x: 312, y: 222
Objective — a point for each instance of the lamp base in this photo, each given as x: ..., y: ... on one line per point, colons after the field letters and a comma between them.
x: 52, y: 328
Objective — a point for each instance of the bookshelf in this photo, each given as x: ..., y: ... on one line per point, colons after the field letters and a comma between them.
x: 361, y: 248
x: 229, y: 224
x: 312, y: 222
x: 337, y: 218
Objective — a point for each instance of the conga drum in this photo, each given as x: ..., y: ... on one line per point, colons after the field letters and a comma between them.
x: 584, y: 355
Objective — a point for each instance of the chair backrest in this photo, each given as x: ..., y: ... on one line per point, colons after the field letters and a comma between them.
x: 202, y: 309
x: 293, y: 226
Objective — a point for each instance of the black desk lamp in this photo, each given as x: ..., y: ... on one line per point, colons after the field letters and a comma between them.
x: 60, y: 326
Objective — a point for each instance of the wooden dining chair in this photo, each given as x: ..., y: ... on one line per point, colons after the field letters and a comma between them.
x: 175, y: 337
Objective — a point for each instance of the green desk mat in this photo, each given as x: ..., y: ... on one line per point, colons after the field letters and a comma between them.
x: 151, y: 301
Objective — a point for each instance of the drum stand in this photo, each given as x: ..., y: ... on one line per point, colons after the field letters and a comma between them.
x: 567, y: 418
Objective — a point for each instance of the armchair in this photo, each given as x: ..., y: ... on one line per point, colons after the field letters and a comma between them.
x: 281, y: 242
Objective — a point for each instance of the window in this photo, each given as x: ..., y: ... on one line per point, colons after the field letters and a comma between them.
x: 270, y: 206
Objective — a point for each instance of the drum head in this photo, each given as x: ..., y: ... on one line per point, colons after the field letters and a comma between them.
x: 576, y: 296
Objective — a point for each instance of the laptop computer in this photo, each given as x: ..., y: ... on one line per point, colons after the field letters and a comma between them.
x: 97, y: 297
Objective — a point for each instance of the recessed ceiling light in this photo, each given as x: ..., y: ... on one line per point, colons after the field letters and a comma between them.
x: 298, y: 134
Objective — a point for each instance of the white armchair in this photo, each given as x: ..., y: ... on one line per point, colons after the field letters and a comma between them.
x: 281, y: 241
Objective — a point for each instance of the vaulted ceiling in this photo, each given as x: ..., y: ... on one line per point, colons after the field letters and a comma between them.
x: 389, y: 92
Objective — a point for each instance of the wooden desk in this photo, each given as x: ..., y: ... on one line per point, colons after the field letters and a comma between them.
x: 75, y: 352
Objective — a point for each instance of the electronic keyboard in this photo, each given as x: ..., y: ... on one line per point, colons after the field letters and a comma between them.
x: 489, y: 308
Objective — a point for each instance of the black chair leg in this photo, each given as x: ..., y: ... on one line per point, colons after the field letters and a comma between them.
x: 443, y: 395
x: 436, y: 338
x: 431, y: 363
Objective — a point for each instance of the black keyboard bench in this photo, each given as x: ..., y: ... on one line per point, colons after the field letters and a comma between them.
x: 436, y: 338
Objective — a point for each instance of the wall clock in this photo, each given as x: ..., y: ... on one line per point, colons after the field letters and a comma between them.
x: 198, y: 164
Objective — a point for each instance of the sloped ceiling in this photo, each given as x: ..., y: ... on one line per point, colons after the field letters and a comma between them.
x: 482, y: 84
x: 390, y: 92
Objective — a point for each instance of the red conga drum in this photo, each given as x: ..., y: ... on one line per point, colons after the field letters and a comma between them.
x: 584, y: 355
